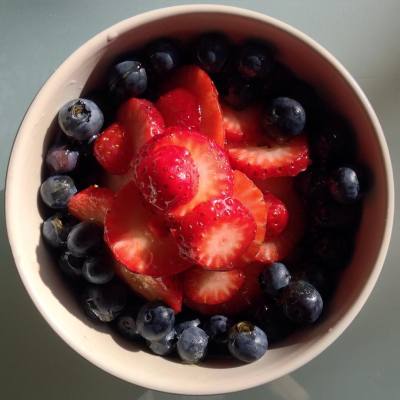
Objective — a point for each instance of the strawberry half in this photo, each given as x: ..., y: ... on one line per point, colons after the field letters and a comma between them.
x: 215, y: 174
x: 179, y: 107
x: 278, y: 215
x: 141, y: 121
x: 211, y: 287
x: 129, y: 233
x: 113, y: 151
x: 283, y: 159
x: 215, y: 233
x: 200, y: 85
x: 252, y: 198
x: 91, y: 204
x: 248, y: 295
x: 166, y: 289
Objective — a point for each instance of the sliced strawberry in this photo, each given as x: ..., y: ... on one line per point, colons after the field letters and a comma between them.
x: 286, y: 159
x: 278, y: 215
x: 116, y: 182
x: 166, y: 289
x: 129, y: 233
x: 167, y: 176
x: 243, y: 126
x: 141, y: 121
x: 216, y: 233
x: 248, y: 295
x: 252, y: 198
x: 215, y: 173
x: 91, y: 204
x: 197, y: 82
x: 113, y: 151
x: 179, y: 107
x: 211, y: 287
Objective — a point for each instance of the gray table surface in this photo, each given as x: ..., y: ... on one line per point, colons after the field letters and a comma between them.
x: 35, y: 37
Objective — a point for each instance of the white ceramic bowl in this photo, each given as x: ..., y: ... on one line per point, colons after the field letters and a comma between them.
x: 81, y: 71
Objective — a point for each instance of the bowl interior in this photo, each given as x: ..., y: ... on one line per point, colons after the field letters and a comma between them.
x: 84, y: 70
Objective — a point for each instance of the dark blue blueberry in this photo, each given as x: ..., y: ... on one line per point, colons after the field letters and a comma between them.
x: 192, y: 345
x: 247, y: 342
x: 211, y: 52
x: 155, y: 320
x: 104, y: 302
x: 270, y: 319
x: 164, y: 346
x: 80, y: 119
x: 127, y: 79
x: 255, y: 60
x: 56, y: 190
x: 61, y: 159
x: 56, y: 228
x: 322, y: 278
x: 84, y: 239
x: 301, y: 302
x: 217, y: 328
x: 333, y: 141
x: 125, y: 324
x: 344, y: 185
x: 163, y: 56
x: 237, y: 92
x: 274, y: 278
x: 70, y: 265
x: 98, y: 269
x: 312, y: 183
x: 284, y: 118
x: 179, y: 328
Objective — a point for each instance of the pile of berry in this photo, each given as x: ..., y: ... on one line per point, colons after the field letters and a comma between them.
x: 211, y: 182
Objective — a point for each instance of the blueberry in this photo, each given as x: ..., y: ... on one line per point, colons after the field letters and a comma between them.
x: 192, y: 345
x: 312, y: 183
x: 56, y: 190
x: 154, y: 321
x: 80, y: 119
x: 179, y: 328
x: 104, y: 302
x: 237, y: 92
x: 333, y: 141
x: 163, y: 56
x: 301, y: 302
x: 85, y: 238
x: 344, y: 185
x: 284, y: 118
x: 255, y: 60
x: 98, y: 270
x: 56, y: 228
x: 273, y: 278
x: 127, y: 79
x: 70, y: 265
x: 211, y: 51
x: 247, y: 342
x: 217, y: 328
x: 61, y: 159
x: 164, y: 346
x: 125, y: 324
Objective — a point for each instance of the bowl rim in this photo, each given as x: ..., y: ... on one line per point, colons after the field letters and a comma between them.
x: 323, y: 342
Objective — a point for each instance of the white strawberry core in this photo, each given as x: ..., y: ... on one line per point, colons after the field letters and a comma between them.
x: 215, y: 285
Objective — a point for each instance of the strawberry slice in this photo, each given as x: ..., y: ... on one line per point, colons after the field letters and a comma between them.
x: 248, y: 296
x: 179, y: 107
x: 112, y: 150
x: 211, y: 287
x: 243, y: 126
x: 252, y: 198
x: 141, y: 121
x: 200, y: 85
x: 91, y: 204
x: 278, y: 215
x: 284, y: 159
x: 215, y: 233
x: 166, y: 289
x: 129, y: 233
x: 215, y: 174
